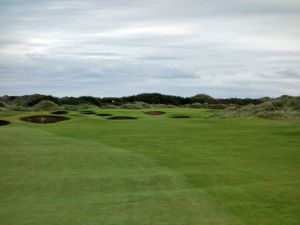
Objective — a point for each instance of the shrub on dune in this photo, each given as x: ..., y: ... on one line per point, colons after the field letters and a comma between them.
x: 46, y: 105
x: 3, y: 104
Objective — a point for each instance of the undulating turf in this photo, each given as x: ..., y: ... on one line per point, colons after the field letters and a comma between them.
x: 153, y: 170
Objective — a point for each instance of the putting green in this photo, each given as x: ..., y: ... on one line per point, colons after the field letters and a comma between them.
x: 155, y: 170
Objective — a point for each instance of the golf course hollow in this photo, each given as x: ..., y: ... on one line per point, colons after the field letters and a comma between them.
x: 180, y: 116
x: 122, y: 118
x: 104, y: 114
x: 44, y: 119
x: 88, y: 112
x: 4, y: 122
x: 59, y: 112
x: 154, y: 113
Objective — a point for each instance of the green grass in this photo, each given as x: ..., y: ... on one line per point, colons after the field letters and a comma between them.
x: 154, y: 170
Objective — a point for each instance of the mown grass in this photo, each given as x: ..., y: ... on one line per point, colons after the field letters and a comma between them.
x: 154, y: 170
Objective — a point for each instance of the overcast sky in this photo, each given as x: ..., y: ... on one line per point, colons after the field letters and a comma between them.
x: 224, y: 48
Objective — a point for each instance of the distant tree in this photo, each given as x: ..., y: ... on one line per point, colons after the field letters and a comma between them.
x: 90, y: 100
x: 155, y: 98
x: 202, y: 98
x: 148, y: 98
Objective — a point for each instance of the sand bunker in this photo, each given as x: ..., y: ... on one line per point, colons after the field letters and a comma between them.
x: 179, y: 116
x: 122, y: 118
x: 154, y: 113
x: 44, y: 119
x: 104, y: 114
x: 4, y: 122
x: 87, y: 112
x: 60, y: 112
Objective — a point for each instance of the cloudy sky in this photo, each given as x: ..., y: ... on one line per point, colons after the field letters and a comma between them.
x: 224, y: 48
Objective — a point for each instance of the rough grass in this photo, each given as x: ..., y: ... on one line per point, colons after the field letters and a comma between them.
x: 283, y: 108
x: 152, y: 171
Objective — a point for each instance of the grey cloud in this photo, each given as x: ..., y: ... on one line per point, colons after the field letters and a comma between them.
x: 171, y: 73
x: 225, y: 48
x: 98, y: 54
x: 290, y: 73
x: 160, y: 57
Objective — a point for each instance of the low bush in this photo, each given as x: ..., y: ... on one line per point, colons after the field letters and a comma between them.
x: 109, y: 106
x: 18, y: 108
x: 284, y: 108
x: 79, y: 107
x: 163, y: 106
x: 131, y: 106
x: 206, y: 106
x: 46, y: 105
x: 135, y: 105
x: 279, y: 115
x: 3, y: 105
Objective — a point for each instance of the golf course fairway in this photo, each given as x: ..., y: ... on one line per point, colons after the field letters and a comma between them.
x: 180, y: 167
